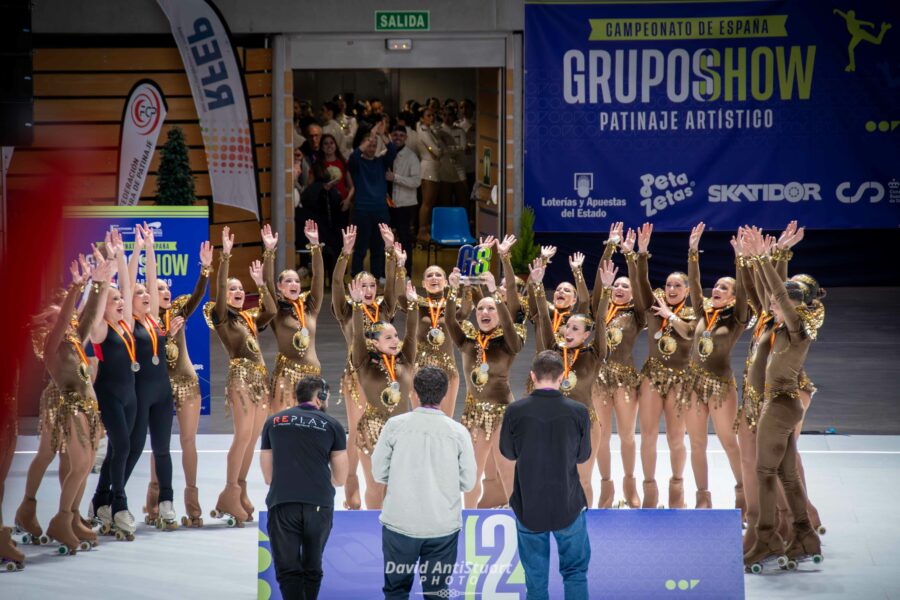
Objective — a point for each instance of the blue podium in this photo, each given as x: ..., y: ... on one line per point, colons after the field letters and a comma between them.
x: 690, y: 554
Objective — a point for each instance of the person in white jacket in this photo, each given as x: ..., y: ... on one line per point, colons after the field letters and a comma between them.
x: 430, y: 150
x: 405, y: 177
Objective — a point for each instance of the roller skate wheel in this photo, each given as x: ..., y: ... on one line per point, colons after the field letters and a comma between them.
x: 756, y: 568
x: 214, y: 514
x: 84, y: 546
x: 782, y: 561
x: 817, y: 559
x: 792, y: 565
x: 27, y: 538
x: 250, y: 519
x: 44, y: 539
x: 821, y: 530
x: 9, y: 567
x: 105, y: 529
x: 120, y: 536
x: 63, y: 550
x: 199, y: 522
x: 184, y: 521
x: 232, y: 522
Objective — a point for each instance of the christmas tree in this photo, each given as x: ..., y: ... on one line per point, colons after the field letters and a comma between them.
x: 174, y: 182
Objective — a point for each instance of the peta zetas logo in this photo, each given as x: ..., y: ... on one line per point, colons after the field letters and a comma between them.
x: 873, y: 189
x: 659, y: 192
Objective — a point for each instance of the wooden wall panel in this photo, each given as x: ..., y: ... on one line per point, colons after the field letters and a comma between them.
x: 488, y: 130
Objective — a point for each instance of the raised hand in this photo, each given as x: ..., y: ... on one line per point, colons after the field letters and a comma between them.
x: 661, y: 309
x: 227, y: 240
x: 270, y: 240
x: 411, y: 294
x: 696, y: 233
x: 96, y: 255
x: 769, y: 244
x: 487, y: 241
x: 537, y: 270
x: 788, y: 232
x: 644, y: 234
x: 576, y: 261
x: 615, y: 231
x: 256, y: 273
x: 386, y: 234
x: 138, y: 238
x: 627, y: 244
x: 206, y: 253
x: 608, y: 273
x: 349, y: 234
x: 103, y: 271
x: 400, y: 254
x: 175, y: 326
x: 548, y: 252
x: 506, y: 245
x: 118, y: 245
x: 489, y: 281
x: 311, y: 231
x: 356, y: 290
x: 85, y: 266
x: 454, y: 278
x: 78, y: 278
x: 149, y: 237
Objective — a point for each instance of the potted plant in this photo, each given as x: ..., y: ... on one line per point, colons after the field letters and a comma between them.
x: 525, y: 250
x: 175, y: 182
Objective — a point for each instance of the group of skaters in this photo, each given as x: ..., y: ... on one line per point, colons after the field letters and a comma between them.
x: 140, y: 370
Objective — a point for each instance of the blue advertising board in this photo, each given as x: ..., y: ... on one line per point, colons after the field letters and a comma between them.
x: 723, y: 112
x: 634, y: 554
x: 179, y: 231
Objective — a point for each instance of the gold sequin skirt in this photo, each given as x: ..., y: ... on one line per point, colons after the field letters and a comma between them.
x: 350, y: 387
x: 73, y: 404
x: 710, y: 389
x: 184, y: 387
x: 751, y: 406
x: 250, y: 375
x: 368, y: 430
x: 287, y: 374
x: 806, y: 383
x: 614, y: 376
x: 663, y: 378
x: 436, y: 358
x: 49, y: 404
x: 486, y: 416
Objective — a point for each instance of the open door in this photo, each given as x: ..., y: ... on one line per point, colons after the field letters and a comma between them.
x: 489, y: 153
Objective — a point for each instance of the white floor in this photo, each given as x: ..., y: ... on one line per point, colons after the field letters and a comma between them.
x: 854, y: 481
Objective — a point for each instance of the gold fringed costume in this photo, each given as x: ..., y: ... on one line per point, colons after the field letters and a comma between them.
x: 750, y: 409
x: 353, y: 393
x: 72, y: 404
x: 806, y: 383
x: 615, y: 375
x: 663, y: 378
x: 486, y: 416
x: 288, y: 373
x: 709, y: 388
x: 436, y: 358
x: 369, y: 428
x: 184, y: 387
x: 251, y: 375
x: 50, y: 401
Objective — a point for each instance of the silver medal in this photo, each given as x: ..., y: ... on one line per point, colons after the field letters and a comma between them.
x: 657, y: 335
x: 484, y: 368
x: 135, y: 366
x: 304, y: 332
x: 395, y: 386
x: 155, y: 360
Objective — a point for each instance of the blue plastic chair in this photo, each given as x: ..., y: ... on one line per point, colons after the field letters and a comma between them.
x: 449, y: 228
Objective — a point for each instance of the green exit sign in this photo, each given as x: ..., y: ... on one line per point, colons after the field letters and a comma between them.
x: 402, y: 20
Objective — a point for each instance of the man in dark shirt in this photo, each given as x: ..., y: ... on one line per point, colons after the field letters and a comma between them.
x: 303, y: 458
x: 547, y: 435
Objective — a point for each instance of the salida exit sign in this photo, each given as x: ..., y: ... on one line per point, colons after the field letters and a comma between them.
x: 402, y: 20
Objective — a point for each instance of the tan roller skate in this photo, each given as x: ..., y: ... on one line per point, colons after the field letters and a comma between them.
x: 651, y: 495
x: 192, y: 508
x: 804, y: 547
x: 749, y: 538
x: 245, y: 501
x: 741, y: 502
x: 229, y: 508
x: 784, y: 521
x: 814, y: 518
x: 151, y: 507
x: 352, y: 500
x: 767, y: 551
x: 28, y: 530
x: 629, y: 490
x: 60, y: 530
x: 86, y: 535
x: 704, y: 499
x: 676, y: 493
x: 10, y: 557
x: 607, y: 493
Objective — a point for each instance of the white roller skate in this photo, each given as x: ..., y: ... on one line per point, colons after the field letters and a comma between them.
x: 124, y: 526
x: 167, y: 517
x: 105, y: 519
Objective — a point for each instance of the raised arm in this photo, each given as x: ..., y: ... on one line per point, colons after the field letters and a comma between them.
x: 150, y: 270
x: 607, y: 277
x: 338, y: 297
x: 389, y: 304
x: 57, y: 334
x: 317, y: 286
x: 450, y: 318
x: 358, y: 352
x: 773, y: 283
x: 410, y: 338
x: 267, y: 306
x: 134, y: 263
x: 93, y: 311
x: 510, y: 336
x: 512, y: 294
x: 545, y: 339
x: 582, y: 293
x: 220, y: 309
x: 639, y: 270
x: 741, y: 306
x: 615, y: 236
x: 269, y: 239
x: 206, y: 255
x: 694, y: 268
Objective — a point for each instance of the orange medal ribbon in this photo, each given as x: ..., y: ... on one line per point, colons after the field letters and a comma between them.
x: 764, y: 319
x: 152, y: 331
x: 373, y: 319
x: 483, y: 341
x: 80, y: 349
x: 558, y: 318
x: 566, y: 364
x: 435, y: 312
x: 772, y: 337
x: 250, y: 322
x: 127, y: 339
x: 711, y: 322
x: 613, y: 310
x: 299, y: 311
x: 674, y: 312
x: 390, y: 366
x: 167, y: 319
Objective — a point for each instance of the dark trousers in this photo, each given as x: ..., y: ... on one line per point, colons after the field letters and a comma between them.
x: 118, y: 419
x: 298, y: 533
x: 436, y: 557
x: 402, y: 219
x: 154, y: 413
x: 368, y: 239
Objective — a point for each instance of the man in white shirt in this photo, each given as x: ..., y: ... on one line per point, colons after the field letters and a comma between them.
x: 406, y: 177
x: 427, y: 461
x: 332, y: 127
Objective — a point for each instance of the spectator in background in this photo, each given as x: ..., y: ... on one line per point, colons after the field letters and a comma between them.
x: 302, y: 178
x: 427, y: 461
x: 330, y: 196
x: 310, y: 148
x: 409, y: 120
x: 405, y: 178
x: 453, y: 170
x: 347, y: 123
x: 376, y: 107
x: 548, y: 435
x: 370, y: 203
x: 331, y: 127
x: 467, y: 123
x: 303, y: 457
x: 430, y: 148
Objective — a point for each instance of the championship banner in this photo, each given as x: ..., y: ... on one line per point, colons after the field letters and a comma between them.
x: 142, y: 120
x: 724, y: 112
x: 634, y: 554
x: 178, y: 233
x: 220, y: 96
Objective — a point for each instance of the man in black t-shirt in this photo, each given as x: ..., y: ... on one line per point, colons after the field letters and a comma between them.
x: 303, y: 458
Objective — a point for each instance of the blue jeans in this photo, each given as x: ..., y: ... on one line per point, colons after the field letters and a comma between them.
x: 574, y: 557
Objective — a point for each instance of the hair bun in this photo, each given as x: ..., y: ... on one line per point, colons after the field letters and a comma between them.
x: 821, y: 293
